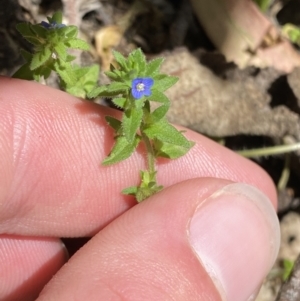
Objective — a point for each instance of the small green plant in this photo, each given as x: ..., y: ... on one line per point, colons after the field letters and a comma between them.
x: 135, y: 83
x: 51, y: 41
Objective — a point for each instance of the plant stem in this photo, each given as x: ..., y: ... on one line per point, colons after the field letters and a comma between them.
x: 150, y: 154
x: 285, y: 175
x: 269, y: 151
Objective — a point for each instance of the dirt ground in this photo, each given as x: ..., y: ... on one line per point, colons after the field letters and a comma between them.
x: 245, y: 98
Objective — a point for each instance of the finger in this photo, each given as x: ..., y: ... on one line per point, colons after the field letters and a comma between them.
x: 27, y: 264
x: 52, y: 183
x: 202, y: 239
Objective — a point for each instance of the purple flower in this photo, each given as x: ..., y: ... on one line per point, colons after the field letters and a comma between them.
x: 141, y: 87
x: 52, y: 25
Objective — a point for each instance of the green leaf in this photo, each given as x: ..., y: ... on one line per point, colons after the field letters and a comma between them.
x: 120, y: 59
x: 120, y: 102
x: 170, y: 151
x: 70, y: 58
x: 121, y: 150
x: 24, y: 72
x: 86, y: 80
x: 113, y: 75
x: 139, y: 59
x: 103, y: 91
x: 159, y: 113
x: 97, y: 91
x: 167, y: 134
x: 39, y: 58
x: 25, y: 30
x: 114, y: 123
x: 130, y: 190
x: 44, y: 71
x: 164, y: 83
x: 61, y: 51
x: 57, y: 17
x: 117, y: 87
x: 148, y: 186
x: 153, y: 67
x: 77, y: 44
x: 65, y: 72
x: 158, y: 96
x: 91, y: 77
x: 39, y: 30
x: 70, y: 31
x: 288, y: 266
x: 131, y: 121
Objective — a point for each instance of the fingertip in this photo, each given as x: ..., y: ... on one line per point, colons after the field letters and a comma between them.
x: 157, y: 251
x: 27, y: 264
x: 235, y: 234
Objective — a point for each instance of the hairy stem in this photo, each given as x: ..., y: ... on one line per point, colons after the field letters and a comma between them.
x: 150, y: 154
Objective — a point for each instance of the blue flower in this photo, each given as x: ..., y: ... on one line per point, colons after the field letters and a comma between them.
x: 141, y: 87
x: 52, y: 25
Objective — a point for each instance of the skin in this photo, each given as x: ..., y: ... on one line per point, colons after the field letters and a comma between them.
x: 52, y: 186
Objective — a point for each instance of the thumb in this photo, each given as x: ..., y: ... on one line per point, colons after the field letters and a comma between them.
x: 202, y: 239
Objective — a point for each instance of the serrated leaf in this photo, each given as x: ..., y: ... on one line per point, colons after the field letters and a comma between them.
x: 39, y: 30
x: 70, y: 31
x: 61, y: 51
x: 25, y: 30
x: 121, y: 150
x: 97, y: 91
x: 103, y: 92
x: 76, y: 91
x: 138, y: 58
x: 36, y: 41
x: 153, y: 67
x: 130, y: 190
x: 77, y: 44
x: 86, y: 80
x: 91, y: 77
x: 120, y: 59
x: 164, y: 83
x: 117, y: 87
x: 119, y: 102
x: 158, y: 96
x: 170, y: 151
x: 165, y: 132
x: 39, y: 58
x: 159, y: 113
x: 65, y: 72
x: 24, y: 72
x: 131, y: 121
x: 113, y: 122
x: 113, y: 75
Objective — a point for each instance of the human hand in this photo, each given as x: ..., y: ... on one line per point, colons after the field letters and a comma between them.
x: 202, y: 238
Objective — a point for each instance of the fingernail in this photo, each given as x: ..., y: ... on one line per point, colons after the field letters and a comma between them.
x: 235, y: 235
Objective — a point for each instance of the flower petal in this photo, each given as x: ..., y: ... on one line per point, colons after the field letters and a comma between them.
x: 148, y: 82
x: 137, y: 94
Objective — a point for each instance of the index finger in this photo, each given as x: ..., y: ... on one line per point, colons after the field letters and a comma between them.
x: 52, y: 182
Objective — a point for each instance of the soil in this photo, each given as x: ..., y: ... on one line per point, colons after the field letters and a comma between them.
x: 245, y: 108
